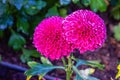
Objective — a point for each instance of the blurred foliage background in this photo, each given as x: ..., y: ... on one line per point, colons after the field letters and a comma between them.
x: 18, y: 18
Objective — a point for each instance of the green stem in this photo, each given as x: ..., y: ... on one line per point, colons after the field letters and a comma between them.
x: 68, y: 75
x: 64, y: 63
x: 68, y: 67
x: 12, y: 31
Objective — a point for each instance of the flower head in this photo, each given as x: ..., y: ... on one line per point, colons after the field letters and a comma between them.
x: 48, y: 38
x: 85, y: 29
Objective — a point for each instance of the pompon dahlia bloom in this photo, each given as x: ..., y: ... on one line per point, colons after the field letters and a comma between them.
x: 85, y: 29
x: 48, y: 38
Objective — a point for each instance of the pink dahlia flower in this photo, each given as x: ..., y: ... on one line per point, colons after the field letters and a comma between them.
x: 48, y: 39
x: 85, y: 29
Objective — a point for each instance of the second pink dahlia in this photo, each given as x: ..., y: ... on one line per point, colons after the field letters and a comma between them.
x: 85, y: 29
x: 48, y: 38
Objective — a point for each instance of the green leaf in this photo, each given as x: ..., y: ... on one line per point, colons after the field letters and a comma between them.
x: 2, y: 8
x: 101, y: 5
x: 52, y: 12
x: 117, y: 32
x: 17, y: 3
x: 80, y: 62
x: 32, y: 64
x: 33, y: 23
x: 1, y: 33
x: 27, y: 54
x: 75, y: 1
x: 40, y: 4
x: 25, y: 58
x: 35, y: 54
x: 116, y: 12
x: 37, y: 68
x: 77, y: 77
x: 78, y: 74
x: 95, y: 64
x: 4, y: 1
x: 113, y: 2
x: 63, y: 12
x: 90, y: 63
x: 32, y: 7
x: 45, y: 61
x: 84, y: 74
x: 22, y: 25
x: 86, y: 2
x: 16, y: 41
x: 5, y: 21
x: 65, y: 2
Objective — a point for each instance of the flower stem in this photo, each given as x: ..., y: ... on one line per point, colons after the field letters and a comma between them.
x: 64, y: 63
x: 68, y: 75
x: 69, y: 68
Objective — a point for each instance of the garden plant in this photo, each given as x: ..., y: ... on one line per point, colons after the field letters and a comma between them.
x: 78, y: 38
x: 56, y: 37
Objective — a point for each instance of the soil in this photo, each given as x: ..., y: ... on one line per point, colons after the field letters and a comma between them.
x: 109, y: 55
